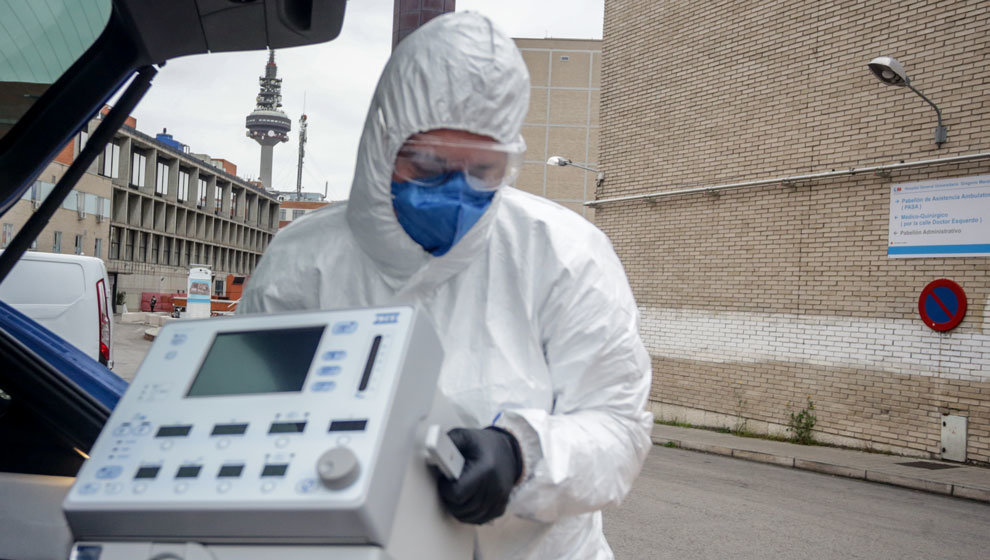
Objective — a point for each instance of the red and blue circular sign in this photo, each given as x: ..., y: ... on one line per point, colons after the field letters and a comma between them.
x: 942, y: 304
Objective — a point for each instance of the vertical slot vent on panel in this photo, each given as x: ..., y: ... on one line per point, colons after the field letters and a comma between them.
x: 371, y: 363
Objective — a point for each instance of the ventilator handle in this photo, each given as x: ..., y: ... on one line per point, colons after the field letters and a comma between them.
x: 442, y: 453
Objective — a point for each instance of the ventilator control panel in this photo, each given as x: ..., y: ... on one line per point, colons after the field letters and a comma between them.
x: 280, y: 411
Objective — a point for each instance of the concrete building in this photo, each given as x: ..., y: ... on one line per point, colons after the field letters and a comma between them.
x: 171, y: 209
x: 290, y: 210
x: 565, y: 93
x: 81, y: 225
x: 756, y: 299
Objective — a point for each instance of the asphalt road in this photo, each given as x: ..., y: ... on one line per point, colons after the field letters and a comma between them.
x: 690, y: 505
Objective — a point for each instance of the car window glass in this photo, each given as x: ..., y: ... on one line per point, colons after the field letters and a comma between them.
x: 39, y: 40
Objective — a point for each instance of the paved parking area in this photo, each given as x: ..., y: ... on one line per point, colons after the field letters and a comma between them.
x: 129, y: 347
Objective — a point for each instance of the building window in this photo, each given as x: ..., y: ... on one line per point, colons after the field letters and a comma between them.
x: 8, y: 235
x: 143, y: 247
x: 129, y: 244
x: 282, y: 215
x: 79, y: 247
x: 296, y: 214
x: 154, y: 249
x: 183, y: 191
x: 57, y: 243
x: 218, y: 198
x: 202, y: 193
x: 161, y: 178
x: 98, y: 248
x: 233, y: 203
x: 114, y: 243
x: 138, y: 164
x: 111, y: 161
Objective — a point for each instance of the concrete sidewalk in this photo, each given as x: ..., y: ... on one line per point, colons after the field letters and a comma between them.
x: 939, y: 477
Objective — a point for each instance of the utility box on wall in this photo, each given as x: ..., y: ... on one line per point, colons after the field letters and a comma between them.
x: 954, y: 438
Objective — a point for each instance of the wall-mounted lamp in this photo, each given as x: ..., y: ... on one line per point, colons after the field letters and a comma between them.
x: 891, y: 72
x: 562, y: 161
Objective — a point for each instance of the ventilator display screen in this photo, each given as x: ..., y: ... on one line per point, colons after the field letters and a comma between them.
x: 250, y: 362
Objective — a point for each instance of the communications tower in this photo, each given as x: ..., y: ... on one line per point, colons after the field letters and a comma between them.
x: 302, y: 154
x: 268, y: 124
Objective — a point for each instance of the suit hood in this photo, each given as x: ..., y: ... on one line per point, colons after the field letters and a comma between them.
x: 458, y: 72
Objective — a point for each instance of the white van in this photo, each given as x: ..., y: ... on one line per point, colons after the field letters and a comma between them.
x: 66, y: 294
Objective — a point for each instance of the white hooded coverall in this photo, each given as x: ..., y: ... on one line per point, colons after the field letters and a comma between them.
x: 537, y: 320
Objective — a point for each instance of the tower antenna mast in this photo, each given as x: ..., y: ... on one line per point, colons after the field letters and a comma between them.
x: 302, y: 154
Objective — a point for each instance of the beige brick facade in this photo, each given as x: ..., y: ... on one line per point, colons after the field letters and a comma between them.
x: 756, y: 299
x: 81, y: 224
x: 562, y: 120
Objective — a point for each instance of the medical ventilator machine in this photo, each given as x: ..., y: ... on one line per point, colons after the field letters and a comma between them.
x: 290, y: 437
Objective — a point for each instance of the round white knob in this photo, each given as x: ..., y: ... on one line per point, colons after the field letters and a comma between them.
x: 338, y: 468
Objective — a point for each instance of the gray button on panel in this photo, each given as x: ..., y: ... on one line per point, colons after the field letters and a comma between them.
x: 338, y: 468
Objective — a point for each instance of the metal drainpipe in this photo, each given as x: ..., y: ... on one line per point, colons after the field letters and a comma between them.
x: 791, y: 179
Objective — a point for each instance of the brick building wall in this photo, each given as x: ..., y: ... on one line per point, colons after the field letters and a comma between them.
x: 80, y: 225
x: 756, y: 299
x: 564, y: 97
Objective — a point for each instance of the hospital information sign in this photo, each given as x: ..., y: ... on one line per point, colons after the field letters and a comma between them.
x: 940, y: 218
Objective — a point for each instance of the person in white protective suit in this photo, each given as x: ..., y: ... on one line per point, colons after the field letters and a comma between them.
x: 543, y: 359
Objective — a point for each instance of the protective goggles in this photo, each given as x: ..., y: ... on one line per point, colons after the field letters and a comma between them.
x: 486, y: 165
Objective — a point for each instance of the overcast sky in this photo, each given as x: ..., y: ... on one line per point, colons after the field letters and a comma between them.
x: 203, y: 100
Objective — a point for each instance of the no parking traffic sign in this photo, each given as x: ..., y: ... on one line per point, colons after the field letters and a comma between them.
x: 942, y: 304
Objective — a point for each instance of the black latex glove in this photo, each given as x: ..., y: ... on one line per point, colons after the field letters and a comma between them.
x: 492, y: 466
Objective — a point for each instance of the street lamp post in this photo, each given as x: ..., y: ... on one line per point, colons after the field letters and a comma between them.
x: 562, y: 161
x: 891, y: 72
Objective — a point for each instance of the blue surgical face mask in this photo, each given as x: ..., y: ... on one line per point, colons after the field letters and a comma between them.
x: 437, y: 217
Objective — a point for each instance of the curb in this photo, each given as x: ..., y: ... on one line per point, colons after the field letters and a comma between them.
x: 930, y: 486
